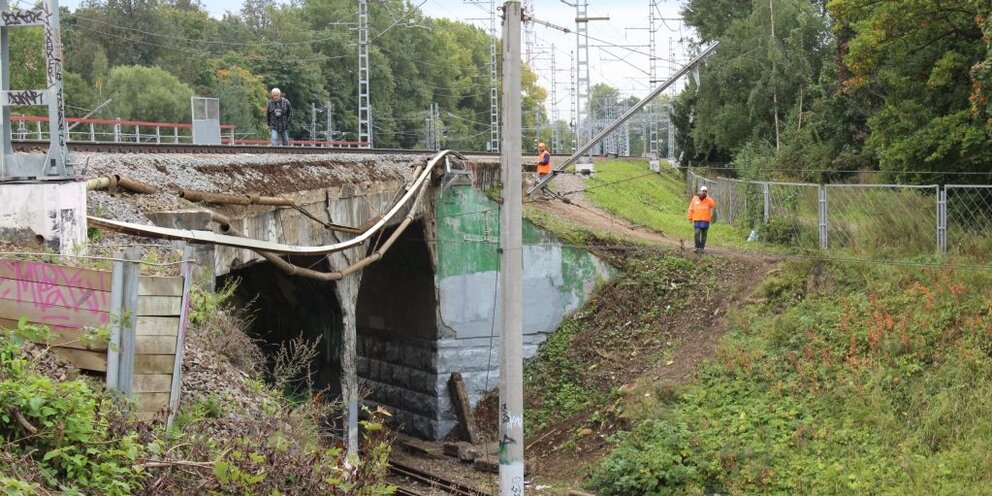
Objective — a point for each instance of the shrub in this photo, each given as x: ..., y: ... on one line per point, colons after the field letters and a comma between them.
x: 64, y: 428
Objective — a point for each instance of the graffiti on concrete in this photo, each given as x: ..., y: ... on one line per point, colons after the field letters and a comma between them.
x: 25, y: 97
x: 24, y: 17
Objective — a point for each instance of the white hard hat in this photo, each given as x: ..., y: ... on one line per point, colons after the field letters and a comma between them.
x: 703, y: 188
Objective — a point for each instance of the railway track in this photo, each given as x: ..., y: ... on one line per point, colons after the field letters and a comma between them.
x: 431, y: 481
x: 124, y: 148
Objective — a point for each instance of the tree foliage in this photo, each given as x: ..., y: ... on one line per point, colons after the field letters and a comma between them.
x: 854, y: 84
x: 308, y: 49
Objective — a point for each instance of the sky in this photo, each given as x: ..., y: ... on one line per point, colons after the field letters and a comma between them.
x: 618, y: 52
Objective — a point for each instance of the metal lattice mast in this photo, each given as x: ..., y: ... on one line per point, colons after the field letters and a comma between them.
x: 56, y: 163
x: 572, y: 100
x: 555, y: 128
x: 364, y: 104
x: 652, y: 144
x: 493, y: 81
x: 671, y: 136
x: 582, y: 70
x: 529, y: 37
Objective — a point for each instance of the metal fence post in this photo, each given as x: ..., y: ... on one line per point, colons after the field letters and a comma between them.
x: 92, y: 133
x: 158, y: 134
x: 823, y: 216
x: 137, y: 134
x: 175, y: 135
x: 942, y: 219
x: 177, y: 367
x: 117, y: 131
x: 38, y: 128
x: 767, y: 193
x: 129, y: 319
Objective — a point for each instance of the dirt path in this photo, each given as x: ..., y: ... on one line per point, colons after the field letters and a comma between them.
x: 564, y: 450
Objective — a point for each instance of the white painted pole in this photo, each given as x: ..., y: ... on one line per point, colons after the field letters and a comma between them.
x: 511, y: 408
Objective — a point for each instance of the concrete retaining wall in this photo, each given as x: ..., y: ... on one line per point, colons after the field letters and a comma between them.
x: 49, y: 214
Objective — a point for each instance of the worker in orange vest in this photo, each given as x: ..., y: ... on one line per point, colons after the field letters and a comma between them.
x: 543, y: 161
x: 701, y: 210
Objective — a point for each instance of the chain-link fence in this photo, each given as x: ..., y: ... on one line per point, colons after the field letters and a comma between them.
x: 967, y: 219
x: 858, y: 218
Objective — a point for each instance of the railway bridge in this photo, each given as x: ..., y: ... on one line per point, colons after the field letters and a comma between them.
x: 300, y: 232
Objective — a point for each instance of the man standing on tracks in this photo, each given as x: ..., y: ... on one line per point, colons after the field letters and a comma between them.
x: 701, y: 209
x: 278, y: 114
x: 543, y: 161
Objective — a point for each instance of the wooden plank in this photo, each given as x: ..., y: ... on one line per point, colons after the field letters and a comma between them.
x: 463, y: 408
x: 66, y: 337
x: 151, y: 402
x: 152, y: 383
x: 153, y: 364
x: 53, y: 315
x: 84, y: 359
x: 155, y: 345
x: 158, y: 326
x: 44, y: 294
x: 166, y: 306
x: 160, y: 286
x: 59, y: 275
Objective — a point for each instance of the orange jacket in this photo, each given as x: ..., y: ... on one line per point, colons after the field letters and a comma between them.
x: 543, y: 162
x: 701, y: 209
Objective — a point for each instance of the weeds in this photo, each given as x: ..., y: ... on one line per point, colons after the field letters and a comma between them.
x: 866, y: 380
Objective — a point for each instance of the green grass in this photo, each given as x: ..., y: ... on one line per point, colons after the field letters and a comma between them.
x: 628, y: 189
x: 848, y: 379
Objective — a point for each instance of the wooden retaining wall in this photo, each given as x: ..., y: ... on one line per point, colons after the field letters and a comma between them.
x: 69, y: 300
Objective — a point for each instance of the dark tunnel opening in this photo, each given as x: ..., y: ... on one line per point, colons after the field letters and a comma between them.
x: 395, y: 316
x: 397, y: 333
x: 283, y: 308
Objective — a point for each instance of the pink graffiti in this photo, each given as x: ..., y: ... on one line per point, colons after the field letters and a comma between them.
x: 58, y: 293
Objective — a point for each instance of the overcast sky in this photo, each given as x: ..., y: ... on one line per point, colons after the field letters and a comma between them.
x: 622, y: 68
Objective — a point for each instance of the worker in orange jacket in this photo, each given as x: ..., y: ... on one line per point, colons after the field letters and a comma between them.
x: 700, y: 213
x: 543, y: 161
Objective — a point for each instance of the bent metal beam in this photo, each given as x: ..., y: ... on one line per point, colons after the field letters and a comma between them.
x: 199, y: 236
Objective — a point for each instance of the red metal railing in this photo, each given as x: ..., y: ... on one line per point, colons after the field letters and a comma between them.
x: 125, y: 131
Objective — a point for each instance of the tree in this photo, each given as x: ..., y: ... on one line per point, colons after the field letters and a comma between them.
x: 148, y: 94
x: 924, y: 63
x: 243, y: 98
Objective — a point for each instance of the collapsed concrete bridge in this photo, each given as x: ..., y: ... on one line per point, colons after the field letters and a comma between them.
x: 426, y: 309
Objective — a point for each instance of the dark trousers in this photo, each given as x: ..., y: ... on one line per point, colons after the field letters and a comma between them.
x: 701, y: 228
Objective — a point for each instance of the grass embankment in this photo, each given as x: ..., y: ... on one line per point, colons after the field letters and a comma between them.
x: 848, y: 379
x: 628, y: 189
x: 841, y: 379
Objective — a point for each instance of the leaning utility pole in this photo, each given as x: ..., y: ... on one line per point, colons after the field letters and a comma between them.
x: 364, y: 104
x: 511, y: 408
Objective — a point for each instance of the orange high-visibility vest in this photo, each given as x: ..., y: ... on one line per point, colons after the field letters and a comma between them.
x: 700, y: 209
x: 543, y: 162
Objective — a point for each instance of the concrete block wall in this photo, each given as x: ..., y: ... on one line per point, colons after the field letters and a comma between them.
x: 400, y: 374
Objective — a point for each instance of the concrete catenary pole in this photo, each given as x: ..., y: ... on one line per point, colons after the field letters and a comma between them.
x: 511, y: 409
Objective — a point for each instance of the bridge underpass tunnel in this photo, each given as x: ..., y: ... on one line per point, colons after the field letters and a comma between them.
x: 283, y: 308
x: 397, y: 333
